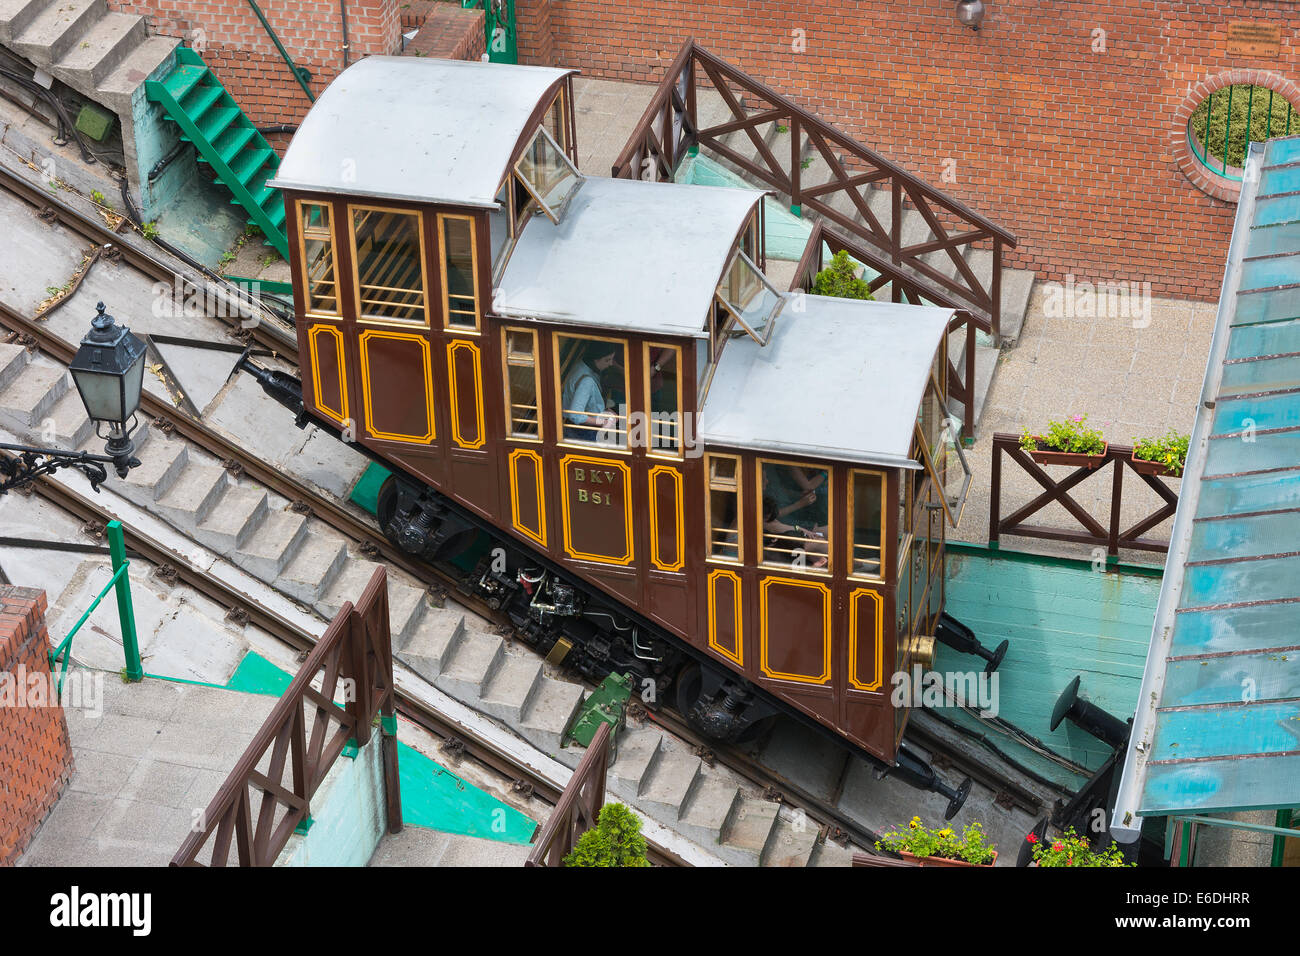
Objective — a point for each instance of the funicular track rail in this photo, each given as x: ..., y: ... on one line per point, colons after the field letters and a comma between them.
x: 827, y: 817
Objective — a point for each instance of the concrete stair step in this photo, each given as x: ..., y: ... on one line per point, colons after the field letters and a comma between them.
x: 830, y: 853
x: 13, y: 359
x: 15, y: 15
x: 31, y: 395
x: 793, y: 840
x: 1017, y: 284
x: 550, y: 712
x: 346, y: 586
x: 672, y: 780
x: 426, y: 649
x: 192, y: 496
x: 54, y: 31
x: 144, y: 61
x: 72, y: 427
x: 511, y: 689
x: 158, y: 471
x: 750, y: 827
x: 272, y: 544
x: 706, y: 813
x: 229, y: 524
x: 986, y: 363
x: 103, y: 47
x: 315, y: 562
x: 407, y: 604
x: 638, y: 752
x: 473, y: 662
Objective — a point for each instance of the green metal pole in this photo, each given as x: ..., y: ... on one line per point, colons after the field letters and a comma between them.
x: 1279, y: 842
x: 283, y: 52
x: 125, y: 609
x: 1185, y: 849
x: 1250, y: 106
x: 1227, y: 130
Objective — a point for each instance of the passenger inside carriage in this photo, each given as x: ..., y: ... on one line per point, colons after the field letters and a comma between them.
x: 783, y: 542
x: 798, y: 491
x: 588, y: 406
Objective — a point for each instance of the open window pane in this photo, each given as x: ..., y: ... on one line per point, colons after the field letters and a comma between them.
x: 390, y: 265
x: 499, y: 223
x: 460, y: 289
x: 664, y: 399
x: 522, y: 418
x: 749, y: 297
x: 593, y: 392
x: 940, y: 437
x: 795, y: 502
x: 866, y: 516
x: 320, y: 275
x: 548, y: 174
x: 724, y: 507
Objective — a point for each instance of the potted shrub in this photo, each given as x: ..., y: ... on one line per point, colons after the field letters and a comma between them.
x: 924, y: 846
x: 840, y: 279
x: 616, y: 840
x: 1067, y: 442
x: 1070, y: 849
x: 1165, y: 456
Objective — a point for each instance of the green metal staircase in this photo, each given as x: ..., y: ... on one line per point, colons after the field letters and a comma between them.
x: 226, y: 140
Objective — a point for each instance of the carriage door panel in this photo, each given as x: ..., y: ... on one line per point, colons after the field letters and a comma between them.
x: 726, y: 615
x: 397, y: 386
x: 528, y: 495
x: 465, y: 382
x: 327, y: 391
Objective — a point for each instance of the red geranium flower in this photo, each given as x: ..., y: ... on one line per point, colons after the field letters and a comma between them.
x: 1032, y: 838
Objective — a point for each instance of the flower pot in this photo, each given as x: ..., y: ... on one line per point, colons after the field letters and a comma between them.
x: 943, y: 860
x: 1045, y: 456
x: 1144, y: 467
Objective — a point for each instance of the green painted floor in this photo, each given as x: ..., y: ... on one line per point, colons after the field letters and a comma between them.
x: 432, y: 796
x: 1062, y: 619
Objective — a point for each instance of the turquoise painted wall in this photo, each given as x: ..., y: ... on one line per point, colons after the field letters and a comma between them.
x: 348, y: 812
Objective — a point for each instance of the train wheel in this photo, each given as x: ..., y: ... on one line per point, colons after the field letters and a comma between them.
x: 386, y: 503
x: 689, y: 684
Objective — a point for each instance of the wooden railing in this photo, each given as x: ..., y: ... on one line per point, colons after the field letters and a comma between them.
x: 1093, y: 530
x: 268, y: 793
x: 901, y: 288
x: 670, y: 126
x: 578, y: 807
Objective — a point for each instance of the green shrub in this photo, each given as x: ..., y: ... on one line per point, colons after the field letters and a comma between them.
x: 838, y: 280
x: 1221, y: 126
x: 616, y: 841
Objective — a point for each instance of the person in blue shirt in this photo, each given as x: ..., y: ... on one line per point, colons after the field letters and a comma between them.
x: 587, y: 411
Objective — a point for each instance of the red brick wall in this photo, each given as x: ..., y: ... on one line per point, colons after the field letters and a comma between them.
x: 447, y: 32
x: 35, y: 752
x: 1074, y: 149
x: 239, y: 51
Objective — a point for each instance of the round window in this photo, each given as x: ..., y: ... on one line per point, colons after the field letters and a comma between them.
x: 1224, y: 124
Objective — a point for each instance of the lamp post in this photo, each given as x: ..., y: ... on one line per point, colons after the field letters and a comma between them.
x: 970, y: 13
x: 108, y: 370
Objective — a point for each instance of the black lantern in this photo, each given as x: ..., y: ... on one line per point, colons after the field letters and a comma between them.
x: 109, y: 371
x: 970, y: 13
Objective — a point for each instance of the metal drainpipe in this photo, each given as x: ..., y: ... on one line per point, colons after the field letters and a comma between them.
x: 343, y: 12
x: 283, y: 52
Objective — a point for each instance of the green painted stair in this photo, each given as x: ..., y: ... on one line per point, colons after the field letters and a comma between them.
x: 226, y: 140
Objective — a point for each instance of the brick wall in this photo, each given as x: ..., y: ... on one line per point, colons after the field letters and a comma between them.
x: 35, y: 752
x: 446, y: 32
x: 1072, y: 138
x: 239, y: 51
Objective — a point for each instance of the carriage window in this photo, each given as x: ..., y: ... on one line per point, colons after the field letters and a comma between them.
x: 795, y: 511
x: 548, y: 175
x: 664, y: 399
x: 866, y: 520
x: 555, y: 121
x: 943, y: 458
x: 389, y: 256
x: 459, y: 283
x: 320, y: 278
x: 499, y: 223
x: 593, y: 391
x: 522, y: 419
x: 749, y: 297
x: 724, y: 507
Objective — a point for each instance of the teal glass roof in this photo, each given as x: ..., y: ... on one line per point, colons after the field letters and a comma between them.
x: 1219, y: 727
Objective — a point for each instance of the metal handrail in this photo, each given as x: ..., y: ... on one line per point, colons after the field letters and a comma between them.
x: 64, y: 649
x: 298, y: 72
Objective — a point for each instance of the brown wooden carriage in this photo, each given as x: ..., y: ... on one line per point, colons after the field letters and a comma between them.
x: 747, y: 488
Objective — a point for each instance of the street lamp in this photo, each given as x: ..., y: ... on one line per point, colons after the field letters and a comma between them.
x: 108, y: 370
x: 970, y: 13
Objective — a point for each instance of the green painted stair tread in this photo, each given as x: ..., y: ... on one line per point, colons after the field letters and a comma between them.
x: 181, y: 80
x: 246, y: 165
x: 200, y: 100
x: 232, y: 142
x: 216, y: 121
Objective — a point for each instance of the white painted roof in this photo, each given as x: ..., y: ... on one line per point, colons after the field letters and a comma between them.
x: 407, y: 127
x: 842, y: 380
x: 629, y: 255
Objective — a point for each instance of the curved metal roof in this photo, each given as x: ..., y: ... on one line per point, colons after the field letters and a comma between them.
x: 424, y: 130
x: 840, y: 379
x: 628, y: 255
